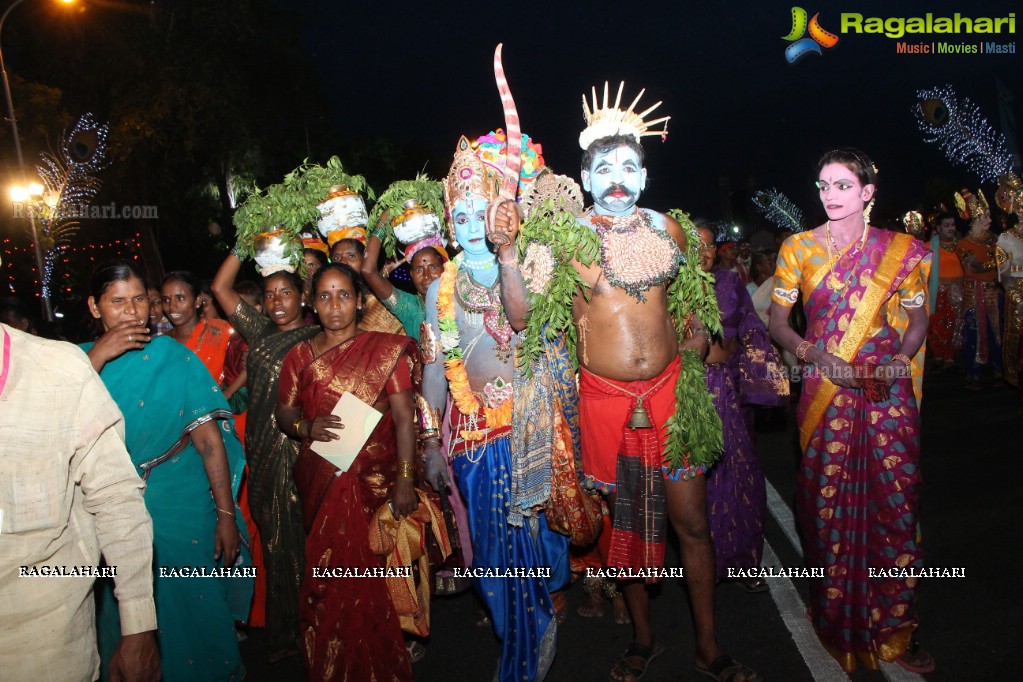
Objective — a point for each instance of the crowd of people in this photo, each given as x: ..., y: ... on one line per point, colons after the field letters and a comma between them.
x: 550, y: 399
x: 976, y: 283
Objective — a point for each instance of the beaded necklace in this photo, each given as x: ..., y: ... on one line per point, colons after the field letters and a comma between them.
x: 633, y: 255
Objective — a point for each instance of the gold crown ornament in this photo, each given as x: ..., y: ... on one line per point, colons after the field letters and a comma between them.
x: 971, y: 206
x: 1009, y: 195
x: 610, y: 121
x: 914, y: 223
x: 469, y: 177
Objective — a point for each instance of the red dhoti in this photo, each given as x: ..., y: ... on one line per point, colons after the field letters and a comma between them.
x: 630, y: 461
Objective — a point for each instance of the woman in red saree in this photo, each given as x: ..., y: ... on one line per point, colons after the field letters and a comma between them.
x: 349, y: 627
x: 859, y: 422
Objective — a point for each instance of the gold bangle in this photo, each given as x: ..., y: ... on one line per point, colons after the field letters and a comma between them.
x: 224, y: 511
x: 298, y: 427
x: 406, y: 469
x: 802, y: 349
x: 903, y: 358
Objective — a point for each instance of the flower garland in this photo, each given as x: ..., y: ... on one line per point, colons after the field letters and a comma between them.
x: 466, y: 400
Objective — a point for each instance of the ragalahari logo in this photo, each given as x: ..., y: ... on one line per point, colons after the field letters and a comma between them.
x: 801, y: 46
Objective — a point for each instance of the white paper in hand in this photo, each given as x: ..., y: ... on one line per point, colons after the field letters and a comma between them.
x: 359, y: 419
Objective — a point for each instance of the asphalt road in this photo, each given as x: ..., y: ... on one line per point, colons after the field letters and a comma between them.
x: 971, y: 464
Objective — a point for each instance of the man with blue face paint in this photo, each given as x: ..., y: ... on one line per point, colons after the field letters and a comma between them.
x: 472, y: 324
x: 629, y: 356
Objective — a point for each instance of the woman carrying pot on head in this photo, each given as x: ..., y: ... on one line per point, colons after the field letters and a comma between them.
x: 273, y: 500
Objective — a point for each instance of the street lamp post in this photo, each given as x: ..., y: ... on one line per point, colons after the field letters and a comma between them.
x: 47, y: 307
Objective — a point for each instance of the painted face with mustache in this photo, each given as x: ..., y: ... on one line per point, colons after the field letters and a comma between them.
x: 615, y: 180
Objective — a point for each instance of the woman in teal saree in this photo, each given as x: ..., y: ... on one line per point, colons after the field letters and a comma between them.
x: 180, y: 435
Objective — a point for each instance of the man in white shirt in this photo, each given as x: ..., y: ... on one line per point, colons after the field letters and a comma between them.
x: 68, y: 493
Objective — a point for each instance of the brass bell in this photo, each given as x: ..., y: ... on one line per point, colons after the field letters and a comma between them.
x: 640, y: 419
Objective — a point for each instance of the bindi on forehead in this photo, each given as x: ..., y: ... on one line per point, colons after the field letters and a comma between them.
x: 836, y: 172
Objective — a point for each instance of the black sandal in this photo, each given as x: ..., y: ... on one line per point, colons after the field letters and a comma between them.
x: 630, y: 672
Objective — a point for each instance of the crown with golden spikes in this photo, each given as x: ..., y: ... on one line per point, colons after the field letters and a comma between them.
x: 610, y: 121
x: 971, y: 206
x: 1009, y: 195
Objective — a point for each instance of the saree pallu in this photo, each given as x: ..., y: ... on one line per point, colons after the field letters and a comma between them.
x: 982, y: 329
x: 945, y: 331
x: 273, y: 499
x: 377, y: 318
x: 520, y: 608
x: 209, y: 340
x: 234, y: 365
x: 752, y: 375
x: 164, y: 391
x: 859, y: 478
x: 349, y: 627
x: 736, y: 488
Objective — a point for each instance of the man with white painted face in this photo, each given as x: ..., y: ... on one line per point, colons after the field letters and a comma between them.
x: 629, y: 355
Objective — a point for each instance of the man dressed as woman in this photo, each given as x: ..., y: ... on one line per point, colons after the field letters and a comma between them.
x: 471, y: 380
x: 859, y: 422
x: 349, y: 627
x: 179, y: 433
x: 982, y: 297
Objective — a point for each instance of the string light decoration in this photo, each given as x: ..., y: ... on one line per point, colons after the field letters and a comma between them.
x: 70, y: 182
x: 779, y: 210
x: 75, y: 262
x: 962, y: 132
x: 723, y: 232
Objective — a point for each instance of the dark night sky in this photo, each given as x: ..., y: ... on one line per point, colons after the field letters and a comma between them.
x: 739, y: 110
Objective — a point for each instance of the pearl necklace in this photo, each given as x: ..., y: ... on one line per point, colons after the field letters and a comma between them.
x: 833, y: 281
x: 478, y: 265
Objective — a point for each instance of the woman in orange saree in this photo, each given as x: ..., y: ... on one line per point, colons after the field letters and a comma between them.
x: 349, y: 626
x: 207, y: 338
x: 859, y: 421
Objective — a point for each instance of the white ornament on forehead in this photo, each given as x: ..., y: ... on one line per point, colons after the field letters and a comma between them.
x: 609, y: 121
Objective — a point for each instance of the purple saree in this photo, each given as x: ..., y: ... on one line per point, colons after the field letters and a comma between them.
x: 859, y: 479
x: 752, y: 375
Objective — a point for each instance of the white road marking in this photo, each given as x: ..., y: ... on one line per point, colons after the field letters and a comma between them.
x: 790, y: 600
x: 821, y: 664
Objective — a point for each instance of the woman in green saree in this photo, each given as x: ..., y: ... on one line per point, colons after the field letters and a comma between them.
x: 180, y: 435
x: 273, y: 498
